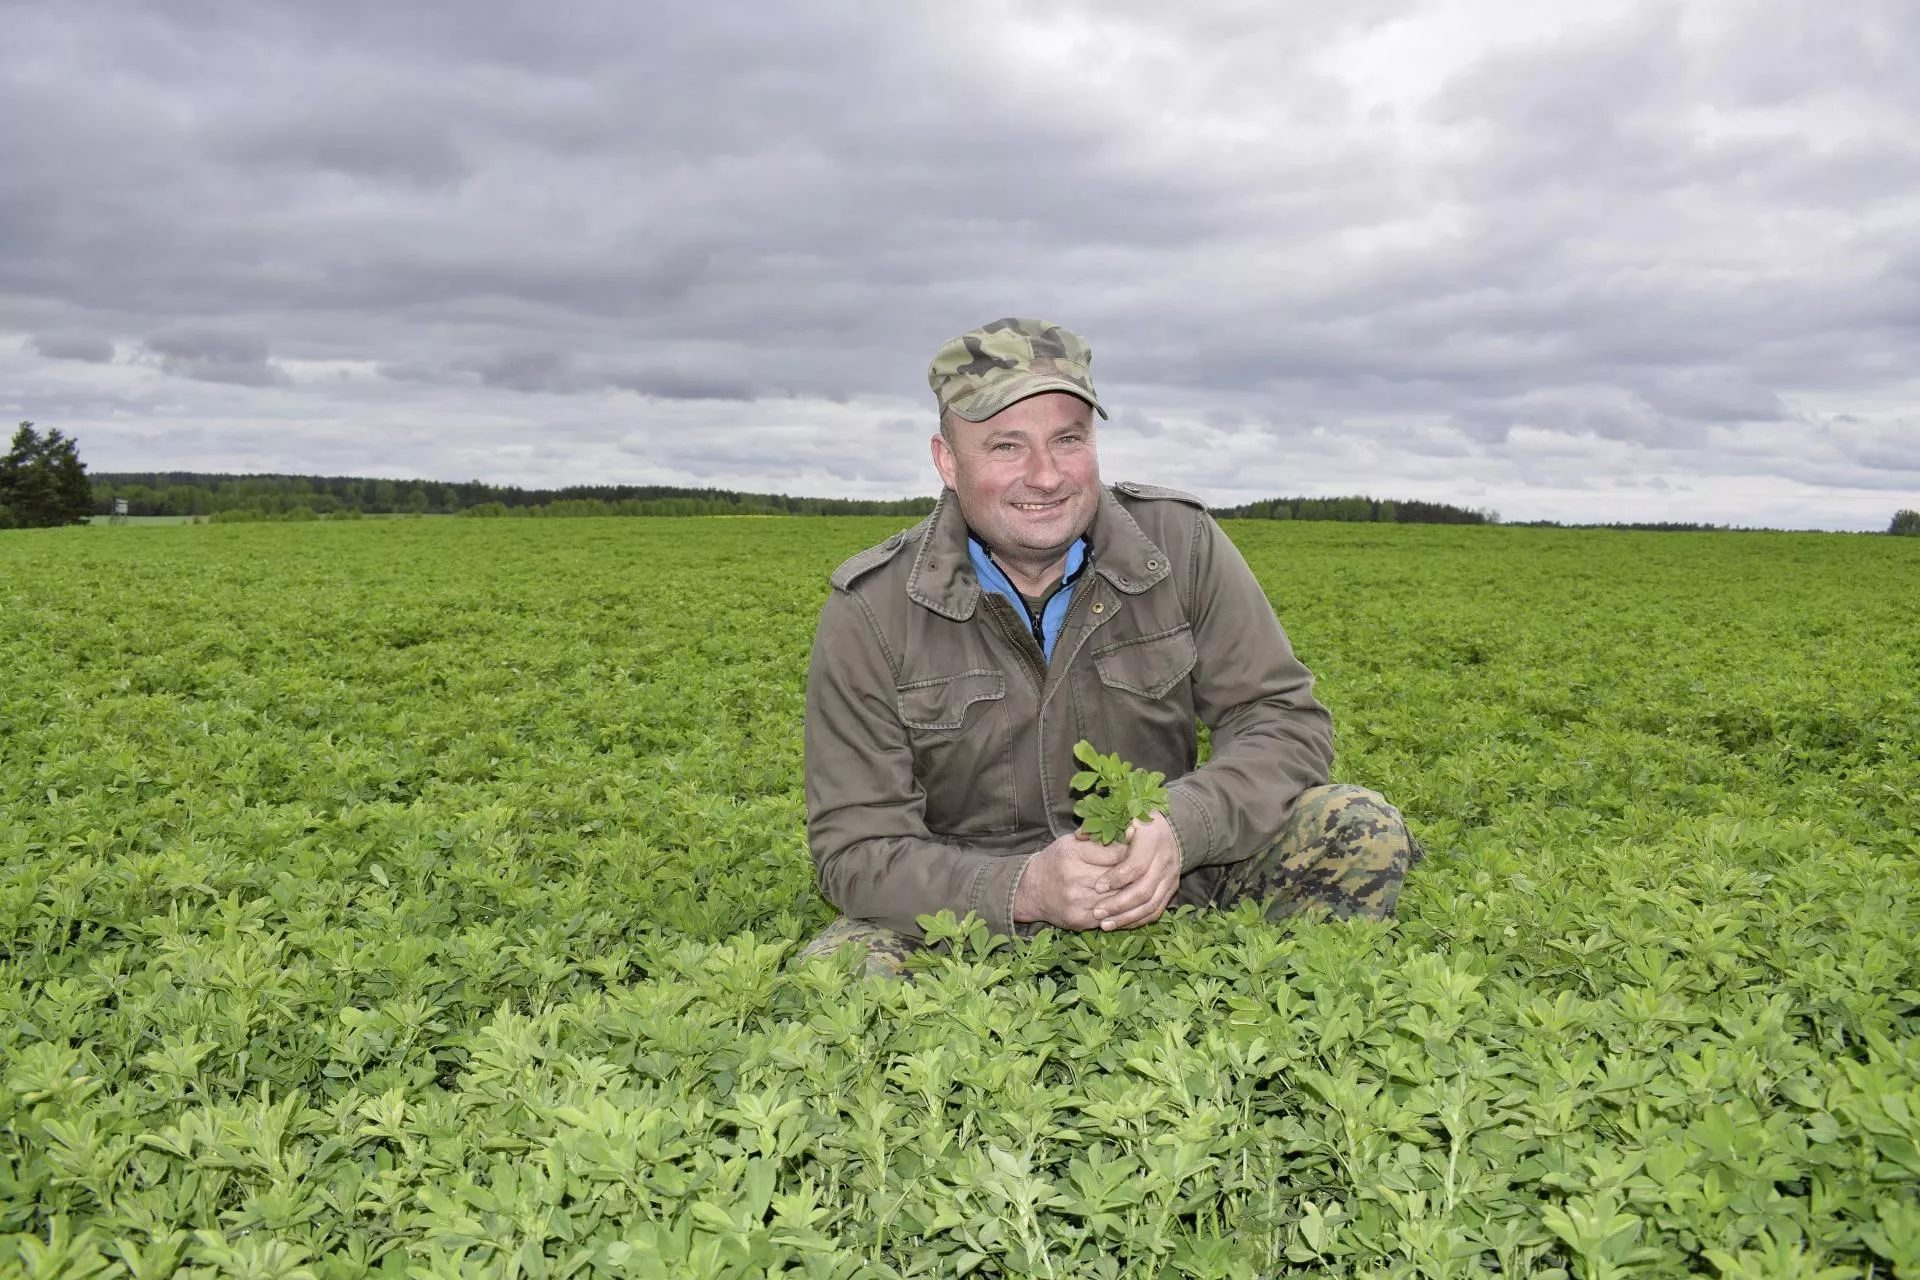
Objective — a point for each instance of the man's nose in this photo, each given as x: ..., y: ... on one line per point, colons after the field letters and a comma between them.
x: 1042, y: 471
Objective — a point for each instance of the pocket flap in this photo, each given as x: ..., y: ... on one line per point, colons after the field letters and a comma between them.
x: 1149, y: 666
x: 942, y: 703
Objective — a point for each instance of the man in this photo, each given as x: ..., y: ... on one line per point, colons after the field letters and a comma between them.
x: 957, y: 663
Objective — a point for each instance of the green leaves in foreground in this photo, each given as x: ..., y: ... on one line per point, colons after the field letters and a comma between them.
x: 417, y: 899
x: 1117, y: 794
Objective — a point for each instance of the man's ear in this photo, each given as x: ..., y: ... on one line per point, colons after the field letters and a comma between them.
x: 943, y: 460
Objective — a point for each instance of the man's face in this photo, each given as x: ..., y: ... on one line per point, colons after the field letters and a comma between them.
x: 1027, y: 478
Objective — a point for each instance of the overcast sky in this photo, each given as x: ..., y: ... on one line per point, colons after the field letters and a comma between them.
x: 1582, y: 260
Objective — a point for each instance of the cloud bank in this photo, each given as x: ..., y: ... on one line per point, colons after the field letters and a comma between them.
x: 1588, y: 261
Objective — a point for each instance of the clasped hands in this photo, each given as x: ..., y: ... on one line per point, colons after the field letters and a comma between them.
x: 1078, y: 883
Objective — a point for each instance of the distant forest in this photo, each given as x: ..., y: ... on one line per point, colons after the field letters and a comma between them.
x: 270, y: 497
x: 1357, y: 510
x: 187, y: 493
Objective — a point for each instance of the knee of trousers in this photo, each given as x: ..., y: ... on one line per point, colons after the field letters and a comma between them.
x: 1349, y: 810
x: 1357, y: 853
x: 883, y: 951
x: 1344, y: 824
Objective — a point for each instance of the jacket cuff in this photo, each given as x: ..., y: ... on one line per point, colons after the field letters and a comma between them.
x: 1191, y: 827
x: 993, y: 889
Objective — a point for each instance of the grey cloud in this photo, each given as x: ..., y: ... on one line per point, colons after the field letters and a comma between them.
x: 1706, y: 395
x: 1483, y: 425
x: 530, y: 371
x: 228, y: 346
x: 1607, y: 413
x: 560, y: 373
x: 715, y: 454
x: 507, y: 204
x: 1894, y: 482
x: 1133, y: 420
x: 1606, y: 97
x: 1799, y: 51
x: 85, y: 347
x: 421, y: 371
x: 669, y: 384
x: 217, y: 355
x: 1429, y: 442
x: 378, y: 140
x: 236, y: 373
x: 1905, y: 460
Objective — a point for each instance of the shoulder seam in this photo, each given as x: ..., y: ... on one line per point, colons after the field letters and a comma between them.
x: 1150, y: 492
x: 861, y: 563
x: 1200, y: 534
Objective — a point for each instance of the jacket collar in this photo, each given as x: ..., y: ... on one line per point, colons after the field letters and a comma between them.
x: 943, y: 580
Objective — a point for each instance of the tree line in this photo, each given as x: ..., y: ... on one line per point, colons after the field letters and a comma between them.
x: 1357, y: 510
x: 1905, y: 524
x: 43, y: 482
x: 188, y: 493
x: 255, y: 497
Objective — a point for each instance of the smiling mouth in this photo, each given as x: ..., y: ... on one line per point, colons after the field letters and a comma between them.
x: 1038, y: 506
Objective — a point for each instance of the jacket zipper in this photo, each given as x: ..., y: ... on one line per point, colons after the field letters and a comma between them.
x: 1074, y: 609
x: 1032, y: 658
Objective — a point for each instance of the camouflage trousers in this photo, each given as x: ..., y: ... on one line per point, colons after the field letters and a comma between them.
x: 1343, y: 851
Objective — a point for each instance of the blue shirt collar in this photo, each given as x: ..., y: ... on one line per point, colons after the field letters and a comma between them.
x: 994, y: 578
x: 1054, y: 616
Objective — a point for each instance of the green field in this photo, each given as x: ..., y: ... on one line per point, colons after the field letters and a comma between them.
x: 415, y: 898
x: 147, y: 521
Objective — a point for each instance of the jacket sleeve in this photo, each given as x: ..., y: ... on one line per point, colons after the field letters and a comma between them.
x: 866, y: 810
x: 1271, y: 738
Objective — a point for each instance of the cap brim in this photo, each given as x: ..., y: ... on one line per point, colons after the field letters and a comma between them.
x: 980, y: 405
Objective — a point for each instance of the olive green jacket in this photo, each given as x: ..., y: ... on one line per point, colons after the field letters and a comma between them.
x: 939, y: 740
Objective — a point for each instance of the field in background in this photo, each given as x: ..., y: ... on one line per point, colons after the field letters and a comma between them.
x: 413, y: 897
x: 163, y: 521
x: 135, y: 521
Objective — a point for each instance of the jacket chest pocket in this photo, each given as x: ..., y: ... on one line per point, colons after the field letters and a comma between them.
x: 1142, y: 705
x: 943, y: 702
x: 962, y: 751
x: 1149, y: 666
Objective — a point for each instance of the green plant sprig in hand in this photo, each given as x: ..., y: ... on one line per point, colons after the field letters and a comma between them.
x: 1117, y: 794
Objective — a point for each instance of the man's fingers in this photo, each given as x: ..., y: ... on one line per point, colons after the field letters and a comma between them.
x: 1136, y: 862
x: 1123, y: 901
x: 1142, y: 845
x: 1090, y: 912
x: 1123, y: 884
x: 1129, y: 871
x: 1132, y: 920
x: 1146, y: 913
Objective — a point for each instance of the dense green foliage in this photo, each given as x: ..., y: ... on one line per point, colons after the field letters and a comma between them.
x: 1905, y: 523
x: 183, y: 493
x: 415, y: 897
x: 43, y: 483
x: 1357, y: 510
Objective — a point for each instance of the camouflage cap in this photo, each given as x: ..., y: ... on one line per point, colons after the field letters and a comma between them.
x: 984, y: 370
